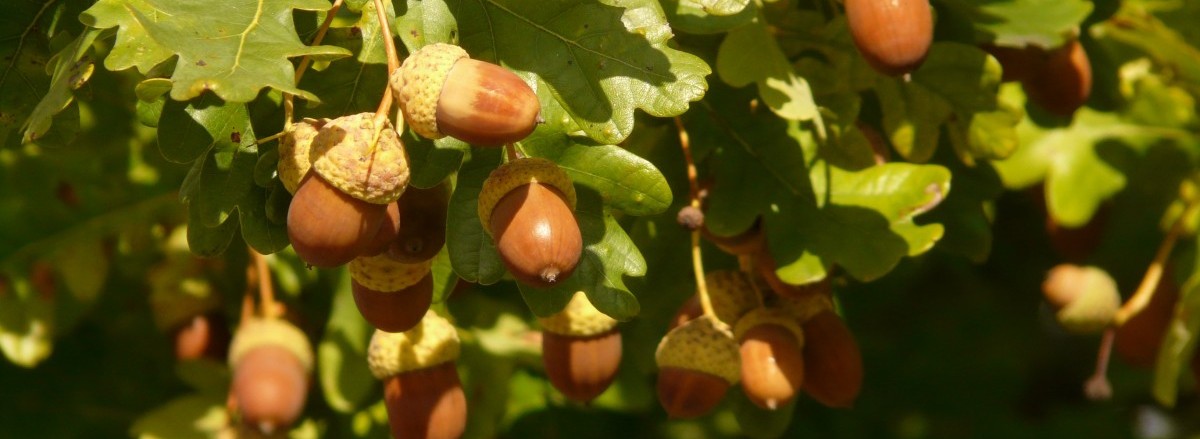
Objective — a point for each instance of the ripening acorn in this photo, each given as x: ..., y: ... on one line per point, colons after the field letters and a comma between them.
x: 770, y: 345
x: 421, y: 388
x: 391, y: 295
x: 1084, y: 299
x: 893, y: 36
x: 389, y: 228
x: 1061, y: 80
x: 697, y: 363
x: 1138, y: 339
x: 690, y: 309
x: 527, y: 205
x: 203, y: 336
x: 442, y: 91
x: 1017, y: 63
x: 341, y: 202
x: 581, y: 349
x: 833, y: 371
x: 271, y: 361
x: 424, y: 230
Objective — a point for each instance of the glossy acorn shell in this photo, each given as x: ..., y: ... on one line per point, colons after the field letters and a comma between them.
x: 203, y: 336
x: 328, y: 227
x: 894, y: 35
x: 389, y: 228
x: 686, y: 393
x: 581, y: 367
x: 269, y: 387
x: 536, y: 234
x: 1062, y: 80
x: 423, y: 233
x: 833, y: 371
x: 395, y: 311
x: 772, y: 365
x: 486, y: 105
x: 426, y: 403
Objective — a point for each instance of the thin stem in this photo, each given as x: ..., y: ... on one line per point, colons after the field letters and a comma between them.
x: 389, y: 44
x: 511, y: 151
x: 266, y: 292
x: 685, y: 144
x: 697, y: 259
x: 1097, y: 386
x: 248, y: 297
x: 270, y: 138
x: 289, y: 106
x: 1153, y: 276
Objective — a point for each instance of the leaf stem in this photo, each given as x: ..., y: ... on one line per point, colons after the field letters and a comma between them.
x: 248, y: 296
x: 289, y: 106
x: 694, y: 187
x: 1153, y: 276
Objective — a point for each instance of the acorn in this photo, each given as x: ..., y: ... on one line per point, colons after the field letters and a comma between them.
x: 689, y: 310
x: 341, y: 202
x: 772, y: 362
x: 203, y: 336
x: 528, y: 205
x: 391, y: 295
x: 833, y: 371
x: 294, y: 152
x: 893, y: 36
x: 748, y: 242
x: 1084, y: 299
x: 764, y: 263
x: 389, y: 229
x: 581, y: 349
x: 442, y: 91
x: 271, y: 362
x: 422, y: 391
x: 424, y: 230
x: 1137, y: 340
x: 697, y: 363
x: 731, y: 294
x: 185, y: 305
x: 1018, y: 63
x: 1061, y: 80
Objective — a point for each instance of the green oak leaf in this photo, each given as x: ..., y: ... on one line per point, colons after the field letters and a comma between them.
x: 472, y: 251
x: 1135, y: 26
x: 421, y: 22
x: 760, y: 423
x: 233, y: 48
x: 967, y: 212
x: 185, y: 417
x: 608, y: 256
x: 69, y: 69
x: 1017, y: 23
x: 432, y: 161
x: 691, y: 17
x: 602, y: 60
x: 27, y: 323
x: 1178, y: 340
x: 342, y: 353
x: 25, y: 53
x: 444, y: 278
x: 750, y: 54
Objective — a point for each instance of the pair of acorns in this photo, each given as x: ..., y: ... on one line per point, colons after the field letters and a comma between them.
x: 1058, y: 80
x: 775, y: 351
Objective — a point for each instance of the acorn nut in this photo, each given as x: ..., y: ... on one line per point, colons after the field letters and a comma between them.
x: 893, y: 36
x: 424, y: 230
x: 389, y: 228
x: 833, y: 370
x: 581, y: 349
x: 393, y: 296
x: 697, y: 363
x: 772, y: 362
x: 1084, y: 299
x: 442, y: 91
x: 271, y: 362
x: 1061, y: 79
x: 528, y: 205
x: 422, y: 391
x: 1138, y: 339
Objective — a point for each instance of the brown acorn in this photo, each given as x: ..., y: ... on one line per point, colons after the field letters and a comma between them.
x: 328, y: 227
x: 422, y: 391
x: 442, y: 91
x: 1018, y: 63
x: 697, y: 363
x: 833, y: 371
x: 749, y: 242
x: 203, y: 336
x: 393, y: 296
x: 271, y: 361
x: 1138, y: 339
x: 527, y: 206
x: 389, y: 228
x: 893, y: 36
x: 1062, y: 79
x: 1085, y: 299
x: 424, y: 230
x: 581, y: 349
x: 772, y: 363
x: 690, y: 309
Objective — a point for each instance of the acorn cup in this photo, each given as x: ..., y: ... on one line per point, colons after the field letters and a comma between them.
x: 1084, y: 299
x: 422, y: 391
x: 341, y: 202
x: 581, y: 349
x: 528, y: 205
x: 697, y: 363
x: 424, y: 230
x: 731, y: 295
x: 893, y: 36
x: 772, y: 362
x: 391, y: 295
x: 272, y: 362
x: 295, y: 148
x: 442, y: 91
x: 833, y: 371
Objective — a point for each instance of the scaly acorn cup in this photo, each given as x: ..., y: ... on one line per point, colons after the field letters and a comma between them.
x: 422, y: 391
x: 528, y: 206
x: 294, y: 148
x: 581, y: 349
x: 731, y: 294
x: 804, y: 308
x: 893, y: 36
x: 1085, y: 299
x: 341, y: 202
x: 391, y: 295
x: 271, y: 362
x: 442, y: 91
x: 833, y: 371
x: 424, y: 230
x: 697, y: 362
x: 772, y: 360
